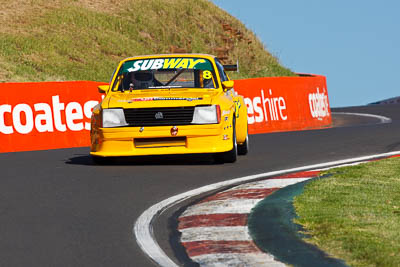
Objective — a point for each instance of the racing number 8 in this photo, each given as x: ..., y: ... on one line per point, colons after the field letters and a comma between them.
x: 207, y: 74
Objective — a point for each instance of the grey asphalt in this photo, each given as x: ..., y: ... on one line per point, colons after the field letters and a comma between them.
x: 58, y: 209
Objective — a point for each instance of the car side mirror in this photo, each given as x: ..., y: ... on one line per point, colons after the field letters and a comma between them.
x: 227, y: 85
x: 103, y: 88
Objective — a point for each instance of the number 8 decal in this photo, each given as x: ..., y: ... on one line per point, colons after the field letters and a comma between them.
x: 207, y: 74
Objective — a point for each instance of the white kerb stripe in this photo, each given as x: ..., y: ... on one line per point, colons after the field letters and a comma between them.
x: 215, y: 233
x: 271, y: 183
x: 237, y: 259
x: 241, y: 206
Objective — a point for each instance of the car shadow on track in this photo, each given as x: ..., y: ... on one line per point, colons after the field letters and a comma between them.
x: 203, y: 159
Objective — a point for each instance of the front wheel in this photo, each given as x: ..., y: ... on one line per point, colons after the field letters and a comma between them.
x: 243, y: 149
x: 231, y: 155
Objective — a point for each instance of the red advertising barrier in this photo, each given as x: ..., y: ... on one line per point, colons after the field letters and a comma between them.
x: 50, y: 115
x: 285, y: 103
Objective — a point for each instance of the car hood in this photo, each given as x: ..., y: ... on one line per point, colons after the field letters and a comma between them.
x: 159, y: 98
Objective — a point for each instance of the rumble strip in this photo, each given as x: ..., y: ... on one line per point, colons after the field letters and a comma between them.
x: 143, y: 228
x: 214, y: 231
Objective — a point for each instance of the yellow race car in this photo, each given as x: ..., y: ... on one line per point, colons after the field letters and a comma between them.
x: 170, y: 104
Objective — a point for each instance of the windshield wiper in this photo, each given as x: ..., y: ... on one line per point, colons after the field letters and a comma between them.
x: 173, y: 78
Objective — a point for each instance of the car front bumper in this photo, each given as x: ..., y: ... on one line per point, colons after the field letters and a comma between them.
x: 137, y: 141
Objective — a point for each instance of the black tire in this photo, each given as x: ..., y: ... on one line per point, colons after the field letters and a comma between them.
x: 243, y: 149
x: 231, y: 155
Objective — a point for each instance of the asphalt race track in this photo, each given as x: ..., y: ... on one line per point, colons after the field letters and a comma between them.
x: 58, y: 209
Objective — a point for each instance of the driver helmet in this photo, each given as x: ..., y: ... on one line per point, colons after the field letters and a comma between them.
x: 142, y: 79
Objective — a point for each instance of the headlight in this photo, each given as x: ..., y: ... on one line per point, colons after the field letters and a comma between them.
x: 207, y: 114
x: 113, y: 118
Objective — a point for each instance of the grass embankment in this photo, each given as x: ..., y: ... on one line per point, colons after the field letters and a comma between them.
x: 84, y: 40
x: 355, y: 214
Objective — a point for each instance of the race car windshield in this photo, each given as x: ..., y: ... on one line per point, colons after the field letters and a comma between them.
x: 165, y: 73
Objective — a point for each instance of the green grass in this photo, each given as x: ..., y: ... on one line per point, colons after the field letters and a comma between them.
x: 355, y: 214
x: 74, y: 40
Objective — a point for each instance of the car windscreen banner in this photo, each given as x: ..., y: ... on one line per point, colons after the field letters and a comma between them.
x: 165, y: 64
x: 51, y: 115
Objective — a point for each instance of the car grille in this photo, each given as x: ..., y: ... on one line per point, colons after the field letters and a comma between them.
x: 160, y: 142
x: 159, y: 116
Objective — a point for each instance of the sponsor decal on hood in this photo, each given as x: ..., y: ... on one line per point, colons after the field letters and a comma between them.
x: 139, y: 99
